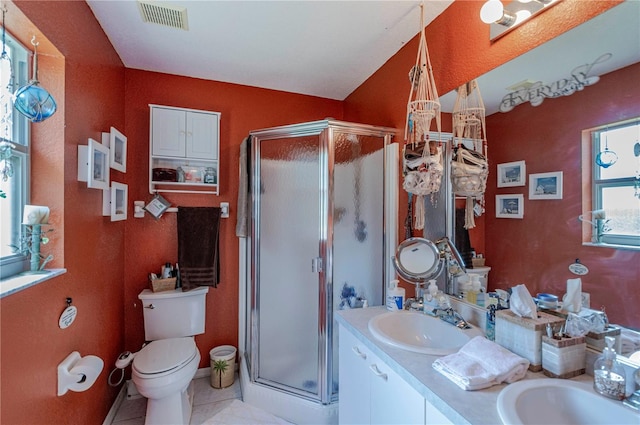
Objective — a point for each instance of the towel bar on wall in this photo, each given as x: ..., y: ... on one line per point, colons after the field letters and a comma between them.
x: 138, y: 209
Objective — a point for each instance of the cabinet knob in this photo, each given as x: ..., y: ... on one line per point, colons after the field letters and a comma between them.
x: 377, y: 372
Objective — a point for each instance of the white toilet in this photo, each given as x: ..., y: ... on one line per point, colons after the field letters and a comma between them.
x: 164, y: 368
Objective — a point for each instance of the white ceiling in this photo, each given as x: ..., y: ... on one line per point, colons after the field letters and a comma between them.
x: 318, y: 48
x: 328, y: 48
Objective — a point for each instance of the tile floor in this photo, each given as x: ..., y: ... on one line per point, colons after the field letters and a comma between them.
x: 207, y: 401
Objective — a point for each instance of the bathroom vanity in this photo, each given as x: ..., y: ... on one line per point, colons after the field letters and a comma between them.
x: 383, y: 384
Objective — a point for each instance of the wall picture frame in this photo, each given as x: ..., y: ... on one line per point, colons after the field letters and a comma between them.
x: 114, y: 201
x: 512, y: 174
x: 93, y: 164
x: 117, y: 144
x: 545, y: 186
x: 510, y: 206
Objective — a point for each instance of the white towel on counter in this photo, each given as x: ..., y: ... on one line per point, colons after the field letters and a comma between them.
x: 481, y: 363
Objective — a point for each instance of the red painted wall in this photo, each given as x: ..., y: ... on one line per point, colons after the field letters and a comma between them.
x: 151, y: 243
x: 538, y: 249
x: 78, y: 64
x: 108, y: 262
x: 460, y: 50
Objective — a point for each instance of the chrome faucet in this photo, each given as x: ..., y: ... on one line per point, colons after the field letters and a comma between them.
x: 449, y: 315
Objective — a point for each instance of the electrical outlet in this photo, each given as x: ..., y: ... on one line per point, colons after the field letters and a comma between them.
x: 224, y: 207
x: 586, y: 300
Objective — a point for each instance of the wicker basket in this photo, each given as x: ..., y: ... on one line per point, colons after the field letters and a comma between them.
x: 477, y: 262
x: 158, y: 285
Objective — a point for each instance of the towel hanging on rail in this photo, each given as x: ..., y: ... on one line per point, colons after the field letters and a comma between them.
x: 198, y: 246
x: 242, y: 225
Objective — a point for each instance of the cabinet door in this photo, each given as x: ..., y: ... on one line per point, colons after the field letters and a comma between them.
x: 168, y: 132
x: 434, y: 416
x: 202, y: 135
x: 354, y: 378
x: 393, y: 401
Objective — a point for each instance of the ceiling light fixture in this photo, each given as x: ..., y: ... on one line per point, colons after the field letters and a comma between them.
x: 503, y: 18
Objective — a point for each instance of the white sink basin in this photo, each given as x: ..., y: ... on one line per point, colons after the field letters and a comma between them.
x: 419, y: 333
x: 558, y: 401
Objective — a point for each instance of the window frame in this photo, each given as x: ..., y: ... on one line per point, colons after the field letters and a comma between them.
x: 20, y: 56
x: 598, y: 185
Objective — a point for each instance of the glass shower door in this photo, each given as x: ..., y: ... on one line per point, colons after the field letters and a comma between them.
x: 286, y: 345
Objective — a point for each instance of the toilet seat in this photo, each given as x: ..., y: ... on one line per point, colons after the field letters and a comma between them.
x: 163, y: 357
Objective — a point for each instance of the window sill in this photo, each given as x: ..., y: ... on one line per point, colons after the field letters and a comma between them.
x: 612, y: 246
x: 25, y: 280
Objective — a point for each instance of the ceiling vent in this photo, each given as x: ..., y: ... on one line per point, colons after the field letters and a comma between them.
x: 160, y: 13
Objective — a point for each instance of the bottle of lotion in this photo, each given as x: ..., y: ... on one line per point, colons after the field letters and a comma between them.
x: 395, y: 296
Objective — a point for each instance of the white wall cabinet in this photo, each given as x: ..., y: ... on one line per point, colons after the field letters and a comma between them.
x: 370, y: 391
x: 184, y: 150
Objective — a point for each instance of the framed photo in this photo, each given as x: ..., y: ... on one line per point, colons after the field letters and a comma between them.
x: 93, y: 165
x: 545, y: 186
x: 114, y: 201
x: 512, y: 174
x: 118, y: 149
x: 509, y: 206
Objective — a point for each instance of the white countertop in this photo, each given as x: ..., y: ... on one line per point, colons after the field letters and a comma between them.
x: 458, y: 405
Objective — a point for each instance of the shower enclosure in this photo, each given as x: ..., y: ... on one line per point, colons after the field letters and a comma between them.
x: 322, y: 235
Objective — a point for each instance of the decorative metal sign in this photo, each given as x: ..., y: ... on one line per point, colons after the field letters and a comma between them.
x: 537, y: 92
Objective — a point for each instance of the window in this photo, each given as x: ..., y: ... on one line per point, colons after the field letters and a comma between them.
x: 14, y: 131
x: 616, y: 188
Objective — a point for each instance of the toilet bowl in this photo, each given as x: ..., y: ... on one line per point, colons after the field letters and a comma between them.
x: 162, y: 372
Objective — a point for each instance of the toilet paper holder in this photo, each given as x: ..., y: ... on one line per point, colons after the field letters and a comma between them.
x: 77, y: 373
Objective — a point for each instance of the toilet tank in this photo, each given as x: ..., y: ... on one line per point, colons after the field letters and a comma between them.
x: 173, y: 314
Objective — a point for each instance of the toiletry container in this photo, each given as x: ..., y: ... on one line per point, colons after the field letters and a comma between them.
x: 431, y: 297
x: 395, y: 296
x: 523, y: 335
x: 472, y: 292
x: 563, y: 357
x: 608, y: 374
x: 482, y: 272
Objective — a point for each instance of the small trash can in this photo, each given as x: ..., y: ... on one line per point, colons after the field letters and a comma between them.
x: 223, y: 364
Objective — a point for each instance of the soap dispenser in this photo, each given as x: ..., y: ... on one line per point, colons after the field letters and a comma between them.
x: 431, y: 297
x: 432, y: 290
x: 608, y: 374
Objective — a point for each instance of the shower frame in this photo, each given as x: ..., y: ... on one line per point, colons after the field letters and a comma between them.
x: 326, y: 130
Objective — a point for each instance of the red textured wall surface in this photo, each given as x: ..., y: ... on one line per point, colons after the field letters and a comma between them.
x: 108, y: 262
x: 538, y: 249
x: 460, y: 50
x: 87, y: 79
x: 151, y: 243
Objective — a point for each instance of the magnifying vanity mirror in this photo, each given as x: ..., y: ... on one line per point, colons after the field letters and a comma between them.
x: 417, y: 260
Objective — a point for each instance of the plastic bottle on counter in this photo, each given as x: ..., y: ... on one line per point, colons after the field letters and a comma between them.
x: 395, y: 296
x: 472, y: 293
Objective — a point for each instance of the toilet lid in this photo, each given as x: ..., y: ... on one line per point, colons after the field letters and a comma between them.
x: 164, y: 355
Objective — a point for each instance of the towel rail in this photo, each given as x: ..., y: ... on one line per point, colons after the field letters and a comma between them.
x: 138, y: 209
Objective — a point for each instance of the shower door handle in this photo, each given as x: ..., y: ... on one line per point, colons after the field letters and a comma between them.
x: 316, y: 265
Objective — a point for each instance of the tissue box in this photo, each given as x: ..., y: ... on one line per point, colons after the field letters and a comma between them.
x: 563, y: 358
x: 523, y: 336
x: 595, y: 340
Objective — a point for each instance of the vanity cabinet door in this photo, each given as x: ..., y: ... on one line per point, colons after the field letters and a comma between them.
x: 393, y: 400
x: 370, y: 392
x: 354, y: 376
